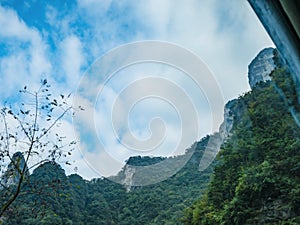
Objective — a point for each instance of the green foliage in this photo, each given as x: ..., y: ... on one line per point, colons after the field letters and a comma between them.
x: 50, y: 197
x: 143, y: 161
x: 27, y: 126
x: 257, y: 179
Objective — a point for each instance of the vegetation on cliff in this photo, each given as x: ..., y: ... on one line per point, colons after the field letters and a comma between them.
x: 257, y: 179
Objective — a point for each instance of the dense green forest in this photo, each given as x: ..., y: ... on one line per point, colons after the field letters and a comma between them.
x: 255, y: 178
x: 51, y: 197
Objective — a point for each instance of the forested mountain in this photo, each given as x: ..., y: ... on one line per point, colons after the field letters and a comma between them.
x: 51, y: 197
x: 255, y: 178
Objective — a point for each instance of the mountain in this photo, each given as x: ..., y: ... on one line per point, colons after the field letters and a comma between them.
x: 261, y: 66
x: 54, y: 198
x: 254, y: 179
x: 12, y: 174
x: 257, y: 178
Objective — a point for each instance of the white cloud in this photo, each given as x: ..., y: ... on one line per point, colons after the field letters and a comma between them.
x: 72, y: 59
x: 12, y: 26
x: 225, y: 34
x: 227, y: 42
x: 22, y: 65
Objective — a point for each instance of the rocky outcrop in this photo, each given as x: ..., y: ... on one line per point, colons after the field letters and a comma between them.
x: 128, y: 180
x: 259, y: 71
x: 227, y: 124
x: 12, y: 174
x: 218, y: 138
x: 135, y: 174
x: 260, y: 68
x: 147, y: 170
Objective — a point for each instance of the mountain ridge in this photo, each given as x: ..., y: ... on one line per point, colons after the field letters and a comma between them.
x: 225, y: 186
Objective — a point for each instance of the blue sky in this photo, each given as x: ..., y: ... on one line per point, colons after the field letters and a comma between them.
x: 60, y: 40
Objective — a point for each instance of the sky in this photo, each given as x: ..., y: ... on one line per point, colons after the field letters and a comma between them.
x: 149, y: 107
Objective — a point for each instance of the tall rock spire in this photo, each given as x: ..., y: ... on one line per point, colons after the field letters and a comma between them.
x: 12, y: 174
x: 261, y: 67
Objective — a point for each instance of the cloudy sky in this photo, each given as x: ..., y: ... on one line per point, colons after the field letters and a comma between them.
x: 139, y: 109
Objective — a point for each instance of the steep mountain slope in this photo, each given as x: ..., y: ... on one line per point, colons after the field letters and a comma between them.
x: 50, y: 197
x: 254, y: 180
x: 257, y: 179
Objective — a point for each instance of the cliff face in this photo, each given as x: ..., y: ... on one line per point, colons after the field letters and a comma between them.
x: 128, y: 180
x: 132, y: 176
x: 261, y: 67
x: 259, y: 71
x: 227, y: 124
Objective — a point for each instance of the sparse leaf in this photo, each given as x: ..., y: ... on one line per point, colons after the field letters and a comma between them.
x: 28, y: 131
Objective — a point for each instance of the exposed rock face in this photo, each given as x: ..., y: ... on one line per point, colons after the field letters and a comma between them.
x: 218, y: 138
x: 150, y: 170
x: 12, y: 174
x: 227, y: 124
x: 128, y: 181
x: 259, y: 71
x: 134, y: 174
x: 261, y: 67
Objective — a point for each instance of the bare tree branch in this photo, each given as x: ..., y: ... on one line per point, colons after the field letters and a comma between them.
x: 29, y: 126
